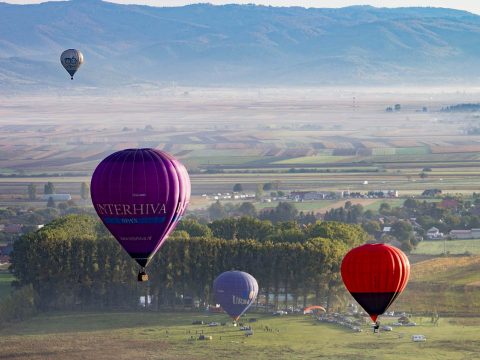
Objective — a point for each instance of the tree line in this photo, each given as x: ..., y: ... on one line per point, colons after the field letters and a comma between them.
x: 73, y: 263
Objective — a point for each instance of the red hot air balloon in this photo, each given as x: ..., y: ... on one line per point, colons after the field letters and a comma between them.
x: 375, y: 274
x: 140, y: 195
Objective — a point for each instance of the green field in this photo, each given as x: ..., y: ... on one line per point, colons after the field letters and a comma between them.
x: 169, y: 336
x: 317, y: 159
x: 5, y: 280
x: 301, y: 206
x: 449, y: 285
x: 452, y: 247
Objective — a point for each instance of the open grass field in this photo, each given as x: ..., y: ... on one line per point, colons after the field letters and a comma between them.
x: 444, y: 284
x: 5, y: 280
x: 168, y: 336
x: 453, y: 247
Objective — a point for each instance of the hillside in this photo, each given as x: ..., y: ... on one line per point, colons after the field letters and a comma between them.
x: 447, y: 285
x: 236, y: 45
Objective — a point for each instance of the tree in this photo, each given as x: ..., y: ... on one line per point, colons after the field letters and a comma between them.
x: 62, y: 206
x: 49, y: 188
x: 32, y: 192
x: 258, y: 192
x: 251, y: 228
x: 72, y: 263
x: 371, y: 226
x: 84, y: 191
x: 283, y: 212
x: 384, y: 208
x: 237, y: 188
x: 194, y: 228
x: 51, y: 203
x: 267, y: 186
x: 410, y: 203
x: 247, y: 209
x: 402, y: 230
x: 217, y: 211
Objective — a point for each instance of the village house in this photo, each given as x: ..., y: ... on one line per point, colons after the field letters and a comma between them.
x: 307, y: 195
x: 434, y: 234
x: 465, y: 234
x: 13, y: 228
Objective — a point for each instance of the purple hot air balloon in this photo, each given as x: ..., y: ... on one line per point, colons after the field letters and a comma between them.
x: 235, y: 291
x: 140, y: 195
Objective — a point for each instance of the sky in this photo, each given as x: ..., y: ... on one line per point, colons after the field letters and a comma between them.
x: 469, y: 5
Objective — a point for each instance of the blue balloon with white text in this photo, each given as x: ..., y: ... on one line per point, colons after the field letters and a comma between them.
x: 235, y: 291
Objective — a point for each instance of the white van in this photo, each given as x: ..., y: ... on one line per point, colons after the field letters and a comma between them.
x: 419, y: 338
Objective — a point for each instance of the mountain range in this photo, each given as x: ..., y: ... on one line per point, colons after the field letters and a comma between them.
x: 231, y: 45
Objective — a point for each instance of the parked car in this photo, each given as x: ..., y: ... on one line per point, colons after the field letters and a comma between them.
x: 213, y: 323
x: 279, y: 313
x: 386, y: 328
x: 419, y: 338
x: 410, y: 324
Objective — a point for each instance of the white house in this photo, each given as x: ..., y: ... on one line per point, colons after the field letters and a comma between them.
x: 433, y: 233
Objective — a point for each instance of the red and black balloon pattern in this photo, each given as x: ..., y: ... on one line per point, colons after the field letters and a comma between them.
x: 375, y: 274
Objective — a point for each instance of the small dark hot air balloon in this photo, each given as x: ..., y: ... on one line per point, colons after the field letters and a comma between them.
x: 71, y: 60
x: 140, y: 195
x: 375, y: 274
x: 235, y: 291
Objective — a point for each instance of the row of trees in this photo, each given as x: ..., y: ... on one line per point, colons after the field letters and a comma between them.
x: 49, y: 188
x: 74, y: 263
x: 284, y: 211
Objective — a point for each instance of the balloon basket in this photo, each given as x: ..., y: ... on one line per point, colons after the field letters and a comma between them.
x: 142, y: 276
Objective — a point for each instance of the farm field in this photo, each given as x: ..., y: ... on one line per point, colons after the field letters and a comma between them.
x: 452, y: 247
x: 449, y: 285
x: 226, y: 136
x: 169, y: 336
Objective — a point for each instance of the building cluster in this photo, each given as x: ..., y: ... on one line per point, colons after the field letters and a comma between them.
x: 333, y: 195
x: 229, y: 196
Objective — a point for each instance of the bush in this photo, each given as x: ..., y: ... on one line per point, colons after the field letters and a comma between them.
x: 18, y: 306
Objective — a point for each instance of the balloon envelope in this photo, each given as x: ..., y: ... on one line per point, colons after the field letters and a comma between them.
x: 71, y: 60
x: 311, y: 309
x: 375, y: 274
x: 235, y: 291
x: 140, y: 195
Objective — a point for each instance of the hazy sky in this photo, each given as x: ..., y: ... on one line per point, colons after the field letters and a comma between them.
x: 470, y: 5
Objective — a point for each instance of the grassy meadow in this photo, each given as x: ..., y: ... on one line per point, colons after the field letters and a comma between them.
x: 452, y: 247
x: 5, y: 280
x: 449, y: 285
x: 169, y: 336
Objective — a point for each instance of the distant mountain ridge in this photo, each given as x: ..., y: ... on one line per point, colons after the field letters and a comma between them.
x: 236, y: 45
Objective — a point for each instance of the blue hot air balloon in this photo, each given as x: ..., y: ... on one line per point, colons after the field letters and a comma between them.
x: 235, y: 291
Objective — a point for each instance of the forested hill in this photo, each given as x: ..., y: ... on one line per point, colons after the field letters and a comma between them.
x: 236, y: 45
